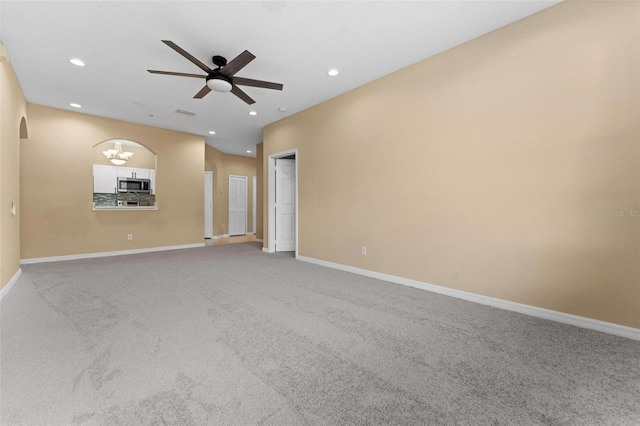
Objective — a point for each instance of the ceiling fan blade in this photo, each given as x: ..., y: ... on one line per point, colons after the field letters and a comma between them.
x: 237, y: 63
x: 187, y: 55
x: 202, y: 92
x: 257, y: 83
x: 239, y: 93
x: 179, y: 74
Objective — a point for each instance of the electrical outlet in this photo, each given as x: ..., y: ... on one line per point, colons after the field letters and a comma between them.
x: 130, y: 237
x: 364, y: 251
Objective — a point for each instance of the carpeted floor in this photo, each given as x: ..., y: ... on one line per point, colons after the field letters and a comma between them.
x: 229, y: 335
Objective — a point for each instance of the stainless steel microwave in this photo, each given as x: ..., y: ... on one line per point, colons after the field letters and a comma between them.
x: 134, y: 185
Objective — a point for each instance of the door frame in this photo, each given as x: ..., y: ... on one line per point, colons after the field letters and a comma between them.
x: 254, y: 208
x: 206, y: 174
x: 271, y: 209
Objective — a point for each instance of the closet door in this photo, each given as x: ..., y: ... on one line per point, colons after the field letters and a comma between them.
x: 237, y: 205
x: 285, y: 205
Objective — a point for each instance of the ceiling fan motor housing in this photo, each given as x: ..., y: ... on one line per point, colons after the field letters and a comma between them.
x: 219, y: 61
x: 219, y: 82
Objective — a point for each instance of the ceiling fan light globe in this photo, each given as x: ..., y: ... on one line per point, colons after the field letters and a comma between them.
x: 219, y: 85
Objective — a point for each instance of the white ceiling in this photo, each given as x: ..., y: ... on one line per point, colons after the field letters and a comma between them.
x: 295, y: 43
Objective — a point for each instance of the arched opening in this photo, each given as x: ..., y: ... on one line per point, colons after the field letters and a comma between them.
x: 142, y: 156
x: 24, y: 132
x: 124, y: 175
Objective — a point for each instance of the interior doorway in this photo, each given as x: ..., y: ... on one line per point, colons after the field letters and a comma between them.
x: 282, y: 233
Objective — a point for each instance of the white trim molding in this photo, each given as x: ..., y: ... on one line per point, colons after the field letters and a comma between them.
x: 561, y: 317
x: 217, y: 237
x: 10, y: 284
x: 106, y: 254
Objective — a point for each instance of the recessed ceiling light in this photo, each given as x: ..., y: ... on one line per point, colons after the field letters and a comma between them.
x: 211, y: 132
x: 249, y: 151
x: 282, y: 109
x: 76, y: 105
x: 253, y: 113
x: 77, y: 62
x: 333, y: 72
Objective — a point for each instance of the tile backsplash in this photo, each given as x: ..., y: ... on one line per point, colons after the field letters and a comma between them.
x: 111, y: 200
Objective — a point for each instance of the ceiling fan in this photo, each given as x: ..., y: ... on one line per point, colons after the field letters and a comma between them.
x: 221, y: 79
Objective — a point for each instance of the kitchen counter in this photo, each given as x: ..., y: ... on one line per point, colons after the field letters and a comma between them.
x: 100, y: 208
x: 124, y: 201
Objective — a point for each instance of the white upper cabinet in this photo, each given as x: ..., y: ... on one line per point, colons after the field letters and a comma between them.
x: 129, y: 172
x: 105, y: 179
x: 124, y: 172
x: 142, y: 173
x: 152, y: 177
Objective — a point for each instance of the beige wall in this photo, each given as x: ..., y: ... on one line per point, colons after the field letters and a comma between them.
x: 492, y: 168
x: 13, y: 109
x: 222, y: 165
x: 57, y: 180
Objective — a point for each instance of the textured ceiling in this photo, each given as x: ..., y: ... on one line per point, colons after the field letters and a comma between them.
x: 295, y: 43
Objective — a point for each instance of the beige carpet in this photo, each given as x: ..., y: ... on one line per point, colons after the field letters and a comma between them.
x: 229, y: 335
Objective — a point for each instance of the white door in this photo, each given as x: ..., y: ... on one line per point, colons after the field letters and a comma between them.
x: 285, y: 205
x: 237, y: 205
x: 208, y: 204
x: 255, y: 198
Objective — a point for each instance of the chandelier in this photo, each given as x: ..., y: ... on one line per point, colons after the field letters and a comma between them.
x: 116, y: 156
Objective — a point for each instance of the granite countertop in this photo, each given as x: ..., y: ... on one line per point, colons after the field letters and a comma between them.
x: 125, y: 207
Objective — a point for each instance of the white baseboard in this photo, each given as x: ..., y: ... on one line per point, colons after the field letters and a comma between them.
x: 106, y: 254
x: 268, y: 250
x: 588, y: 323
x: 10, y: 284
x: 217, y: 237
